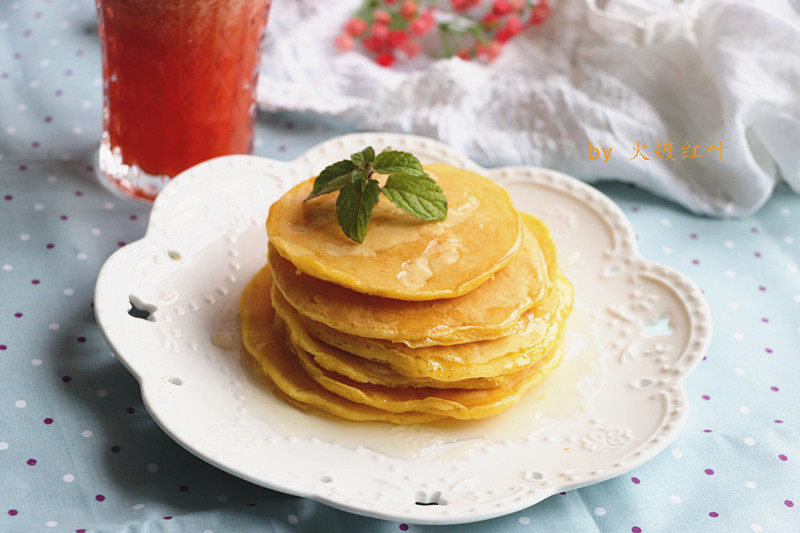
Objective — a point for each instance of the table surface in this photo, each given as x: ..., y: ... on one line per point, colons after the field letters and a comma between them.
x: 79, y: 451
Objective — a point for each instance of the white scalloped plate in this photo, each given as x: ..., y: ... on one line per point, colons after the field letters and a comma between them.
x: 206, y: 238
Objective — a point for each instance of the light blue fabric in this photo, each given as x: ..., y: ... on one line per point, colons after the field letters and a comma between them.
x: 68, y: 405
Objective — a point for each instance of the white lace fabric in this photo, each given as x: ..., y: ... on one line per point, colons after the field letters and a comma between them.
x: 607, y: 74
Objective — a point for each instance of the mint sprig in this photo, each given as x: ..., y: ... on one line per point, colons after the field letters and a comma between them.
x: 407, y: 186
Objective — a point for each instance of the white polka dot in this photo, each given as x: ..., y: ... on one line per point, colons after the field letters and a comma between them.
x: 21, y: 403
x: 728, y: 244
x: 739, y: 371
x: 788, y: 239
x: 36, y: 362
x: 3, y: 25
x: 791, y: 267
x: 744, y: 409
x: 51, y: 523
x: 3, y: 445
x: 735, y: 306
x: 81, y: 256
x: 667, y: 250
x: 756, y: 527
x: 86, y: 434
x: 22, y: 107
x: 102, y: 393
x: 796, y: 298
x: 750, y: 484
x: 24, y: 237
x: 64, y: 24
x: 738, y: 336
x: 38, y: 207
x: 599, y: 511
x: 51, y: 179
x: 675, y: 498
x: 11, y: 130
x: 750, y: 441
x: 77, y: 130
x: 208, y: 531
x: 138, y: 506
x: 524, y: 520
x: 86, y: 104
x: 68, y: 478
x: 97, y: 82
x: 108, y: 205
x: 677, y: 453
x: 54, y: 325
x: 53, y: 43
x: 96, y: 231
x: 730, y: 273
x: 152, y: 468
x: 666, y: 222
x: 45, y: 63
x: 33, y: 84
x: 222, y: 498
x: 7, y: 267
x: 785, y: 211
x: 69, y: 292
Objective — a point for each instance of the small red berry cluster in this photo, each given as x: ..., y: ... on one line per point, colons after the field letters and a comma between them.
x: 392, y: 29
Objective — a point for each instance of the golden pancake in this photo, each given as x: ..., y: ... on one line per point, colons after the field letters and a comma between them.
x: 403, y: 257
x: 488, y: 312
x: 472, y: 365
x: 358, y: 368
x: 267, y: 347
x: 462, y: 404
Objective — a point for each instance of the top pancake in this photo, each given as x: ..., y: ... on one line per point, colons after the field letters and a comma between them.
x: 403, y: 257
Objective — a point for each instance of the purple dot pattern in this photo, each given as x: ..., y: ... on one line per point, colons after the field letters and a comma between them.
x: 83, y: 419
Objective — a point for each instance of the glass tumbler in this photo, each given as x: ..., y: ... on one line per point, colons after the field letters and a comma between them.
x: 179, y: 80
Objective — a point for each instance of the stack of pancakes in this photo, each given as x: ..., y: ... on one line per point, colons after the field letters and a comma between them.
x: 421, y: 321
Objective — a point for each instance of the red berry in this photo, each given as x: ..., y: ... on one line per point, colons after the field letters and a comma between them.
x: 540, y: 13
x: 344, y: 42
x: 420, y: 26
x: 408, y: 9
x: 463, y: 5
x: 380, y: 31
x: 396, y: 38
x: 412, y: 48
x: 490, y: 21
x: 517, y: 5
x: 501, y: 7
x: 490, y: 50
x: 355, y: 26
x: 513, y: 24
x: 385, y: 60
x: 372, y: 44
x: 503, y: 35
x: 464, y: 53
x: 381, y: 17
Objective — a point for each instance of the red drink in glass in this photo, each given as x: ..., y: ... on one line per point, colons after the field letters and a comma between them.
x: 179, y: 80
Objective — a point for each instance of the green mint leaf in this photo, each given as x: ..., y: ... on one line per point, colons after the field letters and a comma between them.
x: 354, y: 207
x: 417, y: 195
x: 364, y: 157
x: 359, y: 176
x: 395, y: 161
x: 332, y: 178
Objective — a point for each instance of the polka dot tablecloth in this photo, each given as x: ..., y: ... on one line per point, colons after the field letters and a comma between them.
x: 79, y: 452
